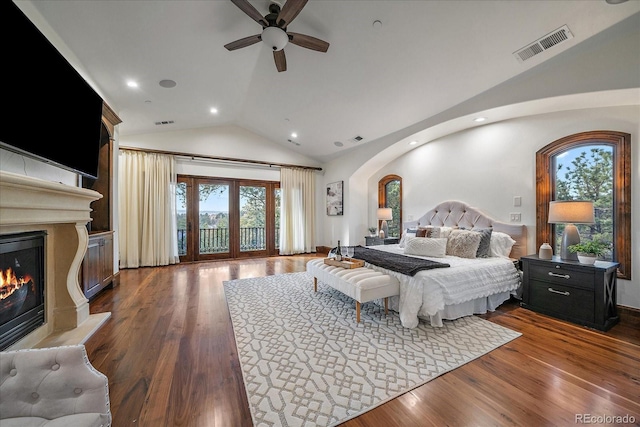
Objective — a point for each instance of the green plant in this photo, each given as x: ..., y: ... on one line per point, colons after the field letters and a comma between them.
x: 373, y: 229
x: 594, y: 247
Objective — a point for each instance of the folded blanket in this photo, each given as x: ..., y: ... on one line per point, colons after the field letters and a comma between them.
x: 395, y: 262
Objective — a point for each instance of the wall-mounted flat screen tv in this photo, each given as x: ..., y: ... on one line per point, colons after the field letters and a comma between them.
x: 50, y: 112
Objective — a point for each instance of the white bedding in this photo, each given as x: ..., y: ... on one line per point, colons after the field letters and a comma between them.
x: 468, y: 286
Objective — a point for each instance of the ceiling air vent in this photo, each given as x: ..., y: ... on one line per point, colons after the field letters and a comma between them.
x: 558, y: 36
x: 164, y: 122
x: 356, y: 139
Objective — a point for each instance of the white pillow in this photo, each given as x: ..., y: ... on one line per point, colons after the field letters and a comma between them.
x: 501, y: 244
x: 405, y: 236
x: 426, y: 246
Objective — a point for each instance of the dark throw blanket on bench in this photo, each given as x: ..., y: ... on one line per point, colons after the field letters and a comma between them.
x: 395, y: 262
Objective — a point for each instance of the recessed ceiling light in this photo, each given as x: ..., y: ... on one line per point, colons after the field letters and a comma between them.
x: 338, y: 144
x: 167, y: 83
x: 131, y: 83
x: 294, y: 135
x: 413, y: 142
x: 479, y: 119
x: 213, y: 110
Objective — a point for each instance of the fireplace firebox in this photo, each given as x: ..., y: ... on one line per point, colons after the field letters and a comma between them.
x: 22, y: 299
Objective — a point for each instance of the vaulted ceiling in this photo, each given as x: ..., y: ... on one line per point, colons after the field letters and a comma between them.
x: 390, y: 64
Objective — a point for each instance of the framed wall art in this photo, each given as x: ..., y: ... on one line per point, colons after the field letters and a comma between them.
x: 334, y: 198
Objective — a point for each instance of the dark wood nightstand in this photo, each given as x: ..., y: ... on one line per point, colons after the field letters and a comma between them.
x: 580, y: 293
x: 375, y: 240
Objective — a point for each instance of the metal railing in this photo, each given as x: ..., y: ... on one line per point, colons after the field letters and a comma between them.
x: 216, y: 240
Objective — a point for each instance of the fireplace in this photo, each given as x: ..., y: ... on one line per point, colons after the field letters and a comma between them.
x: 53, y: 218
x: 22, y: 299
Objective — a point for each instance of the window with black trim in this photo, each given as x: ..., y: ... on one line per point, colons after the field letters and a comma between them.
x: 390, y: 196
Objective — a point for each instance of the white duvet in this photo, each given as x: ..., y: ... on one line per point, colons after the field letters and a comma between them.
x: 428, y: 292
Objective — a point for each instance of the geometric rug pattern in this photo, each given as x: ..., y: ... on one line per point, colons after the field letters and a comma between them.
x: 306, y: 362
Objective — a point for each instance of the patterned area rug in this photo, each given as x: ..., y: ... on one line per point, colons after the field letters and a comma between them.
x: 307, y: 362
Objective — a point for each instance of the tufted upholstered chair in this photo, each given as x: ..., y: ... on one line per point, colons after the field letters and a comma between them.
x: 54, y: 386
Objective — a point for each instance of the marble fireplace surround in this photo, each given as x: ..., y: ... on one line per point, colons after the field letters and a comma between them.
x: 62, y: 211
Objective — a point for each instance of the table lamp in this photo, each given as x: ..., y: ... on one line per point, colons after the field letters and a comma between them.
x: 570, y: 212
x: 385, y: 214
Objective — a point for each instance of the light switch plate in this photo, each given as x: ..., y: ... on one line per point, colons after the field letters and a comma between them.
x: 517, y: 201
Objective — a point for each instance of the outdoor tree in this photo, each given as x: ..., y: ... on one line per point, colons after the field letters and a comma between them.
x: 590, y: 177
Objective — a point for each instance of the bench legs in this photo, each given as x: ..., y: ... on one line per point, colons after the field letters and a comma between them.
x: 386, y: 301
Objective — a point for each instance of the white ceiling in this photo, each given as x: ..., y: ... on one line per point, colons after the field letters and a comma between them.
x: 426, y: 57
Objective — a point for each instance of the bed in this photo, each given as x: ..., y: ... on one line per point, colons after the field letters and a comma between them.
x: 469, y: 285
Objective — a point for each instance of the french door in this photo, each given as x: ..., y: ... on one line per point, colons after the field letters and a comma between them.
x: 227, y: 218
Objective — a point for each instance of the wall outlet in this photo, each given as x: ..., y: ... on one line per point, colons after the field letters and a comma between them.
x: 515, y: 217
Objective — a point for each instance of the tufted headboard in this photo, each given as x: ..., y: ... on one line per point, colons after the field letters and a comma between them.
x: 453, y: 213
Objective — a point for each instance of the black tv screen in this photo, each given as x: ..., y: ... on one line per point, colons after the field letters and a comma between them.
x: 51, y: 113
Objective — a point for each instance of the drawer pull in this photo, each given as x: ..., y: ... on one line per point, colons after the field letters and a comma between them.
x: 566, y: 294
x: 564, y: 276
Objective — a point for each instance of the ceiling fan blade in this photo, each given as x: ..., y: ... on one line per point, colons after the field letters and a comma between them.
x: 253, y: 13
x: 244, y: 42
x: 289, y: 11
x: 281, y: 60
x: 308, y: 42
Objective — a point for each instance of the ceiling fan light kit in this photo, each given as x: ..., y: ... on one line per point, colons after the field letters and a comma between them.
x: 274, y: 37
x: 274, y: 30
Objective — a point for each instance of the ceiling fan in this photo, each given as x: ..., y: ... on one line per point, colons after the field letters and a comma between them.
x: 274, y: 30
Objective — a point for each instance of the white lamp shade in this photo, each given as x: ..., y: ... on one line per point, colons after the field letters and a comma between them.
x: 385, y: 214
x: 275, y: 38
x: 571, y: 212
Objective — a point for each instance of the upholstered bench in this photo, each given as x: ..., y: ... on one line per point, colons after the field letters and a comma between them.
x: 362, y: 284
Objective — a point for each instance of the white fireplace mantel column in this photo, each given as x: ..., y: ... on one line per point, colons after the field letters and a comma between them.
x: 62, y: 211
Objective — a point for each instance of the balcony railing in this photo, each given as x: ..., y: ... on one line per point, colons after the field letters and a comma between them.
x: 216, y: 240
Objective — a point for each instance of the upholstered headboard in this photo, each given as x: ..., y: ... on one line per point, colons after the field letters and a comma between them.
x: 453, y: 213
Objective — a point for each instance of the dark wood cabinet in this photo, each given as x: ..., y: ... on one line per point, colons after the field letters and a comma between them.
x: 580, y: 293
x: 375, y: 241
x: 97, y: 266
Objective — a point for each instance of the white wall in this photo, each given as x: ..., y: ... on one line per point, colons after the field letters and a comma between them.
x: 487, y: 166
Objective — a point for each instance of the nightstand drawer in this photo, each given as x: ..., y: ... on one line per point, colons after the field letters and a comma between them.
x: 556, y: 274
x: 570, y: 302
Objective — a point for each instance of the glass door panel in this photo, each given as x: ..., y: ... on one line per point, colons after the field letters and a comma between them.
x: 181, y: 218
x: 213, y: 218
x: 277, y: 196
x: 253, y: 218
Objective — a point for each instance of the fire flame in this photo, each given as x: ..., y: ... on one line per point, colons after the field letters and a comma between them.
x: 9, y: 282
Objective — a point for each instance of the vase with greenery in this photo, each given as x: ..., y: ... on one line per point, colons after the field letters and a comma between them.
x: 589, y: 250
x: 372, y: 231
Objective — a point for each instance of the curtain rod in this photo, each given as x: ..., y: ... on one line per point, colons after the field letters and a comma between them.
x: 224, y: 159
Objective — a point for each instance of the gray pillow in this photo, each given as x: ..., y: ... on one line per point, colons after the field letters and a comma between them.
x: 484, y: 249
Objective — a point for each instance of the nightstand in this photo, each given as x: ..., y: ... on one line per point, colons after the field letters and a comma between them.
x: 375, y: 240
x: 580, y: 293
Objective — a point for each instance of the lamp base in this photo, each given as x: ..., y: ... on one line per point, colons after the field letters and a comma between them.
x: 385, y: 228
x: 571, y: 236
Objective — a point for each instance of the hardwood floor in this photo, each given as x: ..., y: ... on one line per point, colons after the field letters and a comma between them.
x: 170, y: 356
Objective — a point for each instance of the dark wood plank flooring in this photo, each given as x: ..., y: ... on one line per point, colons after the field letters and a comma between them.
x: 170, y: 356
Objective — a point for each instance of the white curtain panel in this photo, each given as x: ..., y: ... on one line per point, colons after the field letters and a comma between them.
x: 148, y: 231
x: 297, y: 211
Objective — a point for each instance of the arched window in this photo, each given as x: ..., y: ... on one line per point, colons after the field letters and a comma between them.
x: 589, y: 166
x: 390, y: 196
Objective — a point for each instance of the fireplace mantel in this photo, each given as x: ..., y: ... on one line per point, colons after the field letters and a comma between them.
x: 62, y: 211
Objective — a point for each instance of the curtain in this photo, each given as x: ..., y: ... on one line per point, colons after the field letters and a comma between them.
x: 148, y: 233
x: 297, y: 211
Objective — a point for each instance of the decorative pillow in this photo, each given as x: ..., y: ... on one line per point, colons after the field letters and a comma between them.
x: 484, y: 249
x: 424, y: 246
x: 424, y: 231
x: 463, y: 243
x: 409, y: 232
x: 501, y: 244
